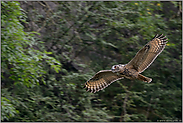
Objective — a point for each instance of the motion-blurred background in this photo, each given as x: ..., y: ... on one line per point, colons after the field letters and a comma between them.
x: 50, y: 49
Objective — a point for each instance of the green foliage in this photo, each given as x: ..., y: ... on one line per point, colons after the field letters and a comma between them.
x: 17, y: 48
x: 43, y: 78
x: 21, y: 62
x: 7, y: 109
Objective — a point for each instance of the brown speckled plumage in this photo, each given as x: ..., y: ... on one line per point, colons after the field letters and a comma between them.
x: 142, y: 60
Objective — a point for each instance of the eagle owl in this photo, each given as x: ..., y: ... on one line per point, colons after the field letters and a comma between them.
x: 142, y: 60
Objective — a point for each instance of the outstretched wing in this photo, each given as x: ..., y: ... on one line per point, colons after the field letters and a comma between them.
x: 101, y: 80
x: 145, y: 57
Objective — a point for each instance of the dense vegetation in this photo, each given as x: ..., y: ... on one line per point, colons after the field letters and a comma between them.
x: 50, y: 49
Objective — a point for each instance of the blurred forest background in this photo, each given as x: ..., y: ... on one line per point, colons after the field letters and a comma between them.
x: 50, y: 49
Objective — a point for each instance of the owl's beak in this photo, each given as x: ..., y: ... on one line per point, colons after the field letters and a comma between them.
x: 113, y: 70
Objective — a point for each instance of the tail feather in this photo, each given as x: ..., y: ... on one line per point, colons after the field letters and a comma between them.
x: 143, y: 78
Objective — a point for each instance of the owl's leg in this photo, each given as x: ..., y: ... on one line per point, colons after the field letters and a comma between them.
x: 143, y: 78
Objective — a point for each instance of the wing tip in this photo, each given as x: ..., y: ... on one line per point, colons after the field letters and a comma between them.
x: 162, y: 38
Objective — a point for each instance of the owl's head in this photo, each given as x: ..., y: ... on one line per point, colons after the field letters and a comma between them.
x: 117, y: 68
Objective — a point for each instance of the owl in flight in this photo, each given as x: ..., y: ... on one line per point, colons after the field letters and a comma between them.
x: 142, y: 60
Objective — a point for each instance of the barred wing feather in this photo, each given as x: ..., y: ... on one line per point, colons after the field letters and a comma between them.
x: 145, y: 57
x: 101, y: 80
